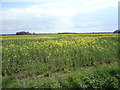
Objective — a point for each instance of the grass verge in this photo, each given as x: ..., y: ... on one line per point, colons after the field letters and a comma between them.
x: 102, y: 76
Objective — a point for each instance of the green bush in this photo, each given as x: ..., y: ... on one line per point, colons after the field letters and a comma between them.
x: 101, y: 79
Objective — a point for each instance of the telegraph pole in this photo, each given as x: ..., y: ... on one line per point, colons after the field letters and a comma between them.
x: 118, y: 33
x: 119, y: 15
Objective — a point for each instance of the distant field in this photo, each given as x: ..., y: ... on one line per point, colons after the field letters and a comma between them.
x: 33, y: 59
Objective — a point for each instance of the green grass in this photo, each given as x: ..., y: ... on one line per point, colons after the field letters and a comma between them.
x: 107, y: 76
x: 29, y: 57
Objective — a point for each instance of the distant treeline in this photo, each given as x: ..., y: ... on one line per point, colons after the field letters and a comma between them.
x: 28, y: 33
x: 23, y: 33
x: 87, y: 33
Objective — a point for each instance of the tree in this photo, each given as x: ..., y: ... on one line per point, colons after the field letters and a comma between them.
x: 33, y: 33
x: 117, y: 31
x: 23, y: 33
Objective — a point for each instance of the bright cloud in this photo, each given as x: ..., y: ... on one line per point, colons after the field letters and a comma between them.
x: 58, y: 16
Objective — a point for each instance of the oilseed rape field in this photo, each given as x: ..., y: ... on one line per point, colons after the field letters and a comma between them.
x: 60, y: 61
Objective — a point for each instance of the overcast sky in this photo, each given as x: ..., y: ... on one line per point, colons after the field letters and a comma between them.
x: 53, y: 16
